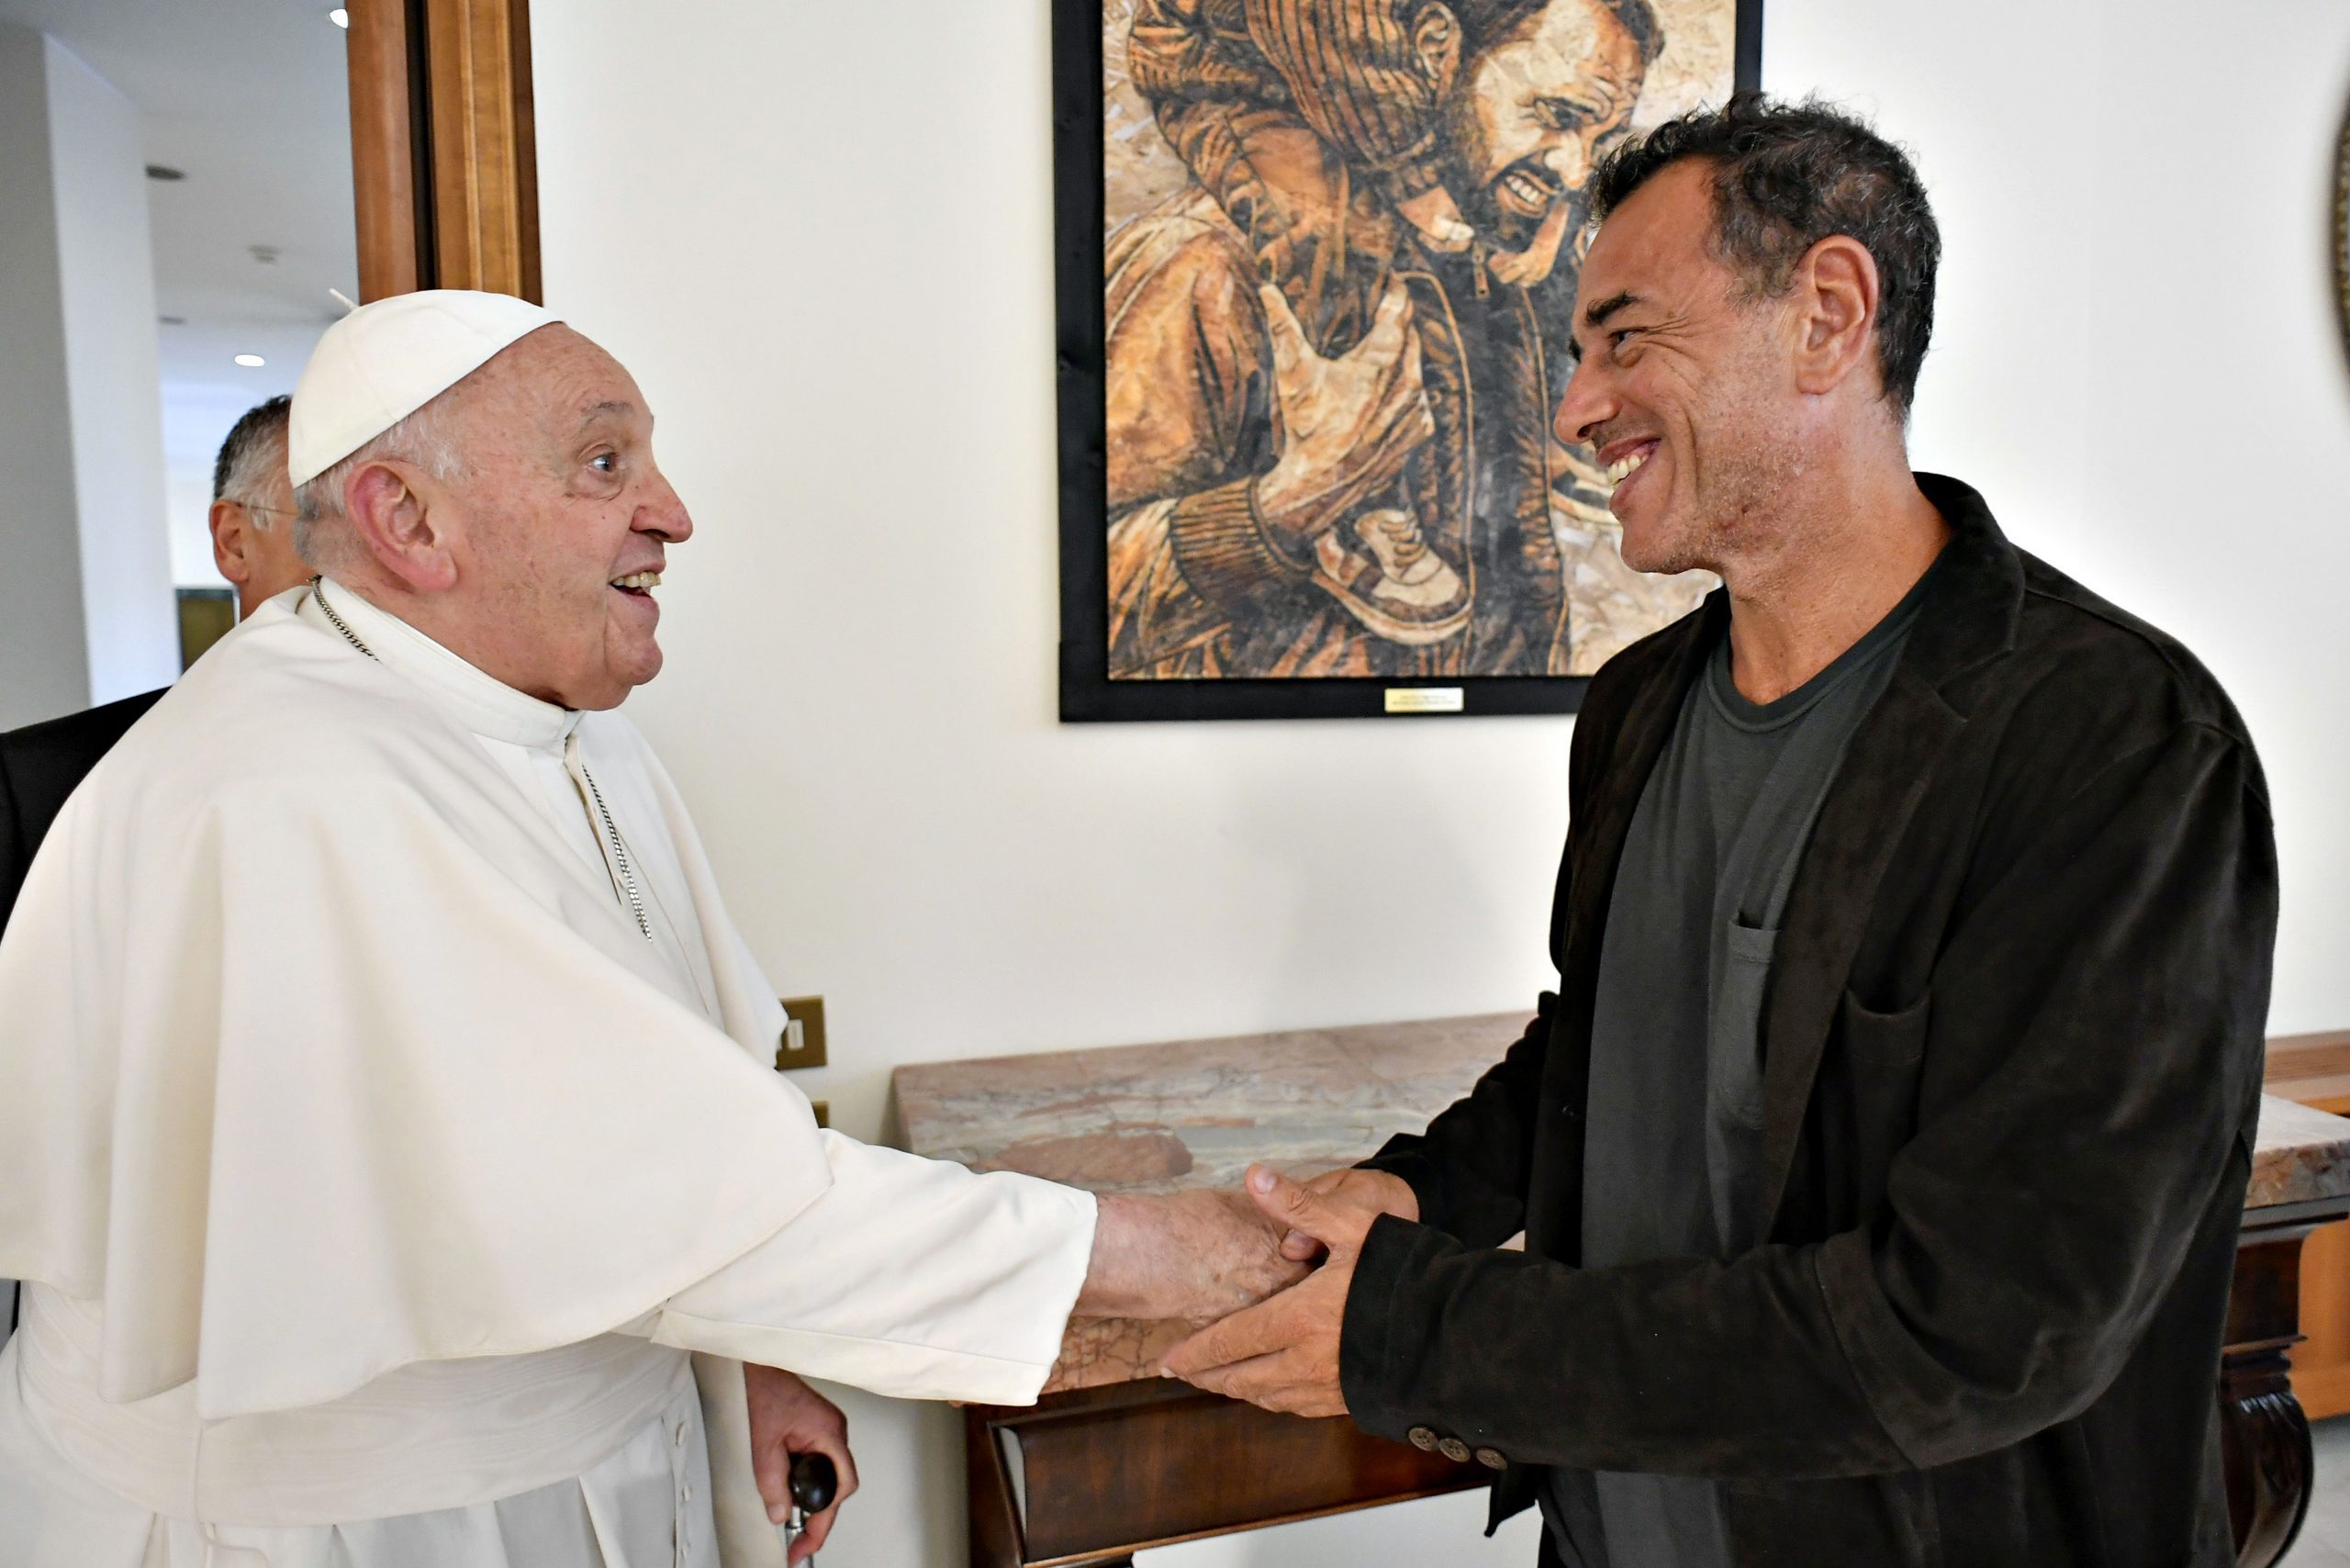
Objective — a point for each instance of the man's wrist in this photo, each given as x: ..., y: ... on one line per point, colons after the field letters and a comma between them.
x: 1416, y: 1171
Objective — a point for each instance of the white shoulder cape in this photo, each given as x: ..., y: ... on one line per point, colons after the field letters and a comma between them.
x: 326, y: 1055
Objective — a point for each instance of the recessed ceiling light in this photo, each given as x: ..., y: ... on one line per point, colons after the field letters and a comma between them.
x: 251, y: 360
x: 166, y: 171
x: 339, y: 17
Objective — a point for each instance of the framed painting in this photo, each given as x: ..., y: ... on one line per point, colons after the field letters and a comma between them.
x: 1315, y: 260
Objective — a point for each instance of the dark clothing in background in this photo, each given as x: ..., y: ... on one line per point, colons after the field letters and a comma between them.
x: 2011, y: 1068
x: 1675, y: 1097
x: 40, y: 765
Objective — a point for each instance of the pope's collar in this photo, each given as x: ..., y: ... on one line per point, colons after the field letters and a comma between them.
x: 483, y: 704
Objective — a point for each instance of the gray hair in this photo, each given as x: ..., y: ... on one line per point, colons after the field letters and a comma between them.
x: 256, y: 444
x: 422, y: 439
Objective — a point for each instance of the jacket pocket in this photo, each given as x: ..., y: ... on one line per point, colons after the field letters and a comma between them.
x: 1734, y: 1022
x: 1885, y: 1058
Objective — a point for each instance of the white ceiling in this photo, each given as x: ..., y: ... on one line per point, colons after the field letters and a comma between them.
x: 250, y: 98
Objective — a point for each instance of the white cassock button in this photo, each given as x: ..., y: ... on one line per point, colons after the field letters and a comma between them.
x: 681, y: 1434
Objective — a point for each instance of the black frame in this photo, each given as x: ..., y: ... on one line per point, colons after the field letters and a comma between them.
x: 1087, y: 693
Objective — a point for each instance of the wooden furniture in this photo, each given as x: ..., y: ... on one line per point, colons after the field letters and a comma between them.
x: 2311, y: 1068
x: 2301, y: 1180
x: 2315, y: 1070
x: 1114, y: 1460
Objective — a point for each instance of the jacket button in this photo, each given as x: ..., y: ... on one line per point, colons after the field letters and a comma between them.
x: 1422, y: 1440
x: 1492, y: 1459
x: 1454, y: 1449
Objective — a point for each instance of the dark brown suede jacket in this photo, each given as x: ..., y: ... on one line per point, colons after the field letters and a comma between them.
x: 2012, y: 1065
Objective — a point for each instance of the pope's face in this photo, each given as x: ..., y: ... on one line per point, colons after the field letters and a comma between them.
x: 562, y: 522
x: 1533, y: 110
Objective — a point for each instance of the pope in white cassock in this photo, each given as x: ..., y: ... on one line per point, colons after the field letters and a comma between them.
x: 388, y: 1114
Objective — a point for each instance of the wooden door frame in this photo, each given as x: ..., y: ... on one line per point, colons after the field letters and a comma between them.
x: 444, y: 167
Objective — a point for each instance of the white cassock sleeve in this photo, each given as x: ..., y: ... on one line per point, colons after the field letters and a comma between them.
x: 320, y: 1076
x: 909, y: 1277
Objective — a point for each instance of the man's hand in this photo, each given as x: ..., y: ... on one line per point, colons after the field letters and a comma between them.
x: 787, y: 1417
x: 1284, y: 1354
x: 1347, y: 424
x: 1195, y: 1256
x: 1373, y: 1193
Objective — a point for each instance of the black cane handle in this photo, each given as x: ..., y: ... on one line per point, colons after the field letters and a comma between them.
x: 814, y: 1483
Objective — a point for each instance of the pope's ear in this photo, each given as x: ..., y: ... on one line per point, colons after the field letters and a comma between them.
x: 393, y: 523
x: 1436, y: 39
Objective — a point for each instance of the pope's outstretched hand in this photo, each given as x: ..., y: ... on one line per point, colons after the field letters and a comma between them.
x: 1196, y: 1255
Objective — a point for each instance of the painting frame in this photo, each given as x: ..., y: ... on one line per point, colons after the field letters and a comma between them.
x: 1087, y: 692
x: 2339, y: 238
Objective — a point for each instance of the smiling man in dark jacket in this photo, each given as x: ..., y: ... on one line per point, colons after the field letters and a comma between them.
x: 1881, y: 1154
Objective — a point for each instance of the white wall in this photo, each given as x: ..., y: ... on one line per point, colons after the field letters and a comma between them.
x: 44, y: 664
x: 90, y: 614
x: 822, y: 238
x: 107, y: 266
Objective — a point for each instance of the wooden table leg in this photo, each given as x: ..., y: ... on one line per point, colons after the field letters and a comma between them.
x: 2263, y: 1435
x: 2264, y: 1447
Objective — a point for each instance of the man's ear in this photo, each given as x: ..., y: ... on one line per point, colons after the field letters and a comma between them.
x: 1835, y: 294
x: 1436, y: 39
x: 232, y: 528
x: 393, y: 519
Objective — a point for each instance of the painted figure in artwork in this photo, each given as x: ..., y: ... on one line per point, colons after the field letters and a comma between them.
x: 1327, y: 399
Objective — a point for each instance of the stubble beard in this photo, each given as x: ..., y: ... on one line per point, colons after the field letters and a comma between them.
x: 1736, y: 513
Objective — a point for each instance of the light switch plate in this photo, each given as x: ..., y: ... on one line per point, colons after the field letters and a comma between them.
x: 803, y: 1034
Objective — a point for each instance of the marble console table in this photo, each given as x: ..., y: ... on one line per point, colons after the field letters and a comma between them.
x: 1114, y: 1459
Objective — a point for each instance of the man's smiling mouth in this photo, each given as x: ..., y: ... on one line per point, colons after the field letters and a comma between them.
x: 1630, y: 464
x: 637, y: 582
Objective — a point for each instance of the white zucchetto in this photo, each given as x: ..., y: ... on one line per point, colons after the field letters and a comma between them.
x: 386, y: 360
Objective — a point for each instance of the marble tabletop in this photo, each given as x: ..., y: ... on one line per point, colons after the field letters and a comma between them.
x: 1198, y: 1112
x: 2299, y: 1154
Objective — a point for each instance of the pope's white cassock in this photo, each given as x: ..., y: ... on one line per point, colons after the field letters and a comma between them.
x: 389, y: 1116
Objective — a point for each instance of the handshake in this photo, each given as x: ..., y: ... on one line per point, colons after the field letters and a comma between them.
x: 1264, y: 1270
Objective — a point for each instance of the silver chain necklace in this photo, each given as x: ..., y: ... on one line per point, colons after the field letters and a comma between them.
x: 318, y: 592
x: 612, y: 832
x: 619, y: 854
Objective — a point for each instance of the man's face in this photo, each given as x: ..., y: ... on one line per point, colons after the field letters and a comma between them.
x: 1533, y: 108
x: 252, y: 537
x: 1682, y: 376
x: 558, y: 518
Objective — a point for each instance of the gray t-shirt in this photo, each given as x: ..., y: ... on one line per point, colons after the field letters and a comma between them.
x: 1676, y: 1099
